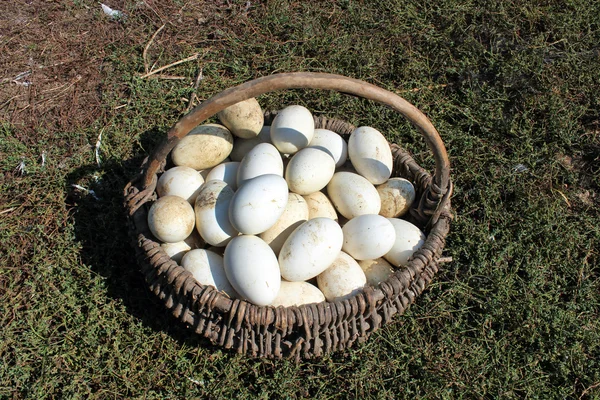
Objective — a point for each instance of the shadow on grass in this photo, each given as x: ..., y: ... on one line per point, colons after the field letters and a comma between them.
x: 100, y: 227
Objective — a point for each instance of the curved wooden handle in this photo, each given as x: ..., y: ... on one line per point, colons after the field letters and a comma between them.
x: 299, y: 80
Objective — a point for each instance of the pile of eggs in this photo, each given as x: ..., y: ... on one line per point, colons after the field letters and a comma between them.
x: 284, y: 214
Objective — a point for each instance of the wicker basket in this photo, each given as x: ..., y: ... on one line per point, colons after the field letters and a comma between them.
x: 309, y: 330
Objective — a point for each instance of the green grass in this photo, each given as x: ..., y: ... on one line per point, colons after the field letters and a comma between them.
x: 515, y: 315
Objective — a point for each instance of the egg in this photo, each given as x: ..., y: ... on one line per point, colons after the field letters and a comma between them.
x: 292, y: 129
x: 171, y: 219
x: 258, y: 204
x: 343, y: 279
x: 176, y: 250
x: 297, y: 294
x: 310, y: 249
x: 242, y: 146
x: 320, y: 206
x: 331, y: 143
x: 368, y: 236
x: 353, y: 195
x: 370, y: 154
x: 295, y: 213
x: 207, y: 268
x: 409, y: 239
x: 244, y: 119
x: 212, y: 213
x: 226, y: 172
x: 182, y: 181
x: 376, y: 271
x: 263, y: 159
x: 397, y: 195
x: 204, y: 147
x: 252, y: 269
x: 309, y: 171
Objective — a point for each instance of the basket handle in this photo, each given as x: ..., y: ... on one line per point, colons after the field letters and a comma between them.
x: 310, y: 80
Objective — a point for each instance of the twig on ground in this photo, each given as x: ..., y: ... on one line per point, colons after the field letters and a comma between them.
x: 169, y: 77
x: 145, y: 53
x: 190, y: 58
x: 8, y: 210
x: 98, y: 144
x: 595, y: 385
x: 445, y: 260
x: 86, y: 190
x: 20, y: 169
x: 193, y: 96
x: 43, y: 158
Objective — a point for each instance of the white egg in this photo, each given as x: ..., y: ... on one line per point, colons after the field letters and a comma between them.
x: 171, y: 219
x: 409, y: 239
x: 212, y: 213
x: 263, y: 159
x: 258, y: 204
x: 320, y: 206
x: 207, y: 268
x: 376, y: 271
x: 204, y: 147
x: 343, y: 279
x: 368, y: 236
x: 242, y: 146
x: 226, y: 172
x: 176, y: 250
x: 292, y: 129
x: 353, y: 195
x: 397, y: 195
x: 331, y: 143
x: 297, y: 294
x: 309, y: 171
x: 370, y: 154
x: 244, y: 119
x: 310, y: 249
x: 252, y: 269
x: 295, y: 213
x: 184, y: 182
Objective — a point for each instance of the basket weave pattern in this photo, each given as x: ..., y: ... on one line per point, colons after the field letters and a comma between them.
x: 298, y: 332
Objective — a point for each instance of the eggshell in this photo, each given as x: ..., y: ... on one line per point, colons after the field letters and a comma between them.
x: 242, y: 146
x: 171, y: 219
x: 176, y: 250
x: 292, y: 129
x: 295, y: 213
x: 252, y: 269
x: 244, y: 119
x: 226, y: 172
x: 370, y: 154
x: 353, y: 195
x: 320, y: 206
x: 297, y: 294
x: 368, y: 236
x: 343, y: 279
x: 207, y: 268
x: 309, y: 171
x: 263, y: 159
x: 212, y: 213
x: 397, y: 195
x: 204, y: 147
x: 331, y: 143
x: 310, y: 249
x: 376, y: 271
x: 409, y: 239
x: 184, y: 182
x: 258, y: 204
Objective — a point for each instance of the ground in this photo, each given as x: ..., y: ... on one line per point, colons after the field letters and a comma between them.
x: 511, y: 86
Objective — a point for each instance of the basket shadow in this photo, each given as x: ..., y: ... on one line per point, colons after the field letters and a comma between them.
x: 100, y: 227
